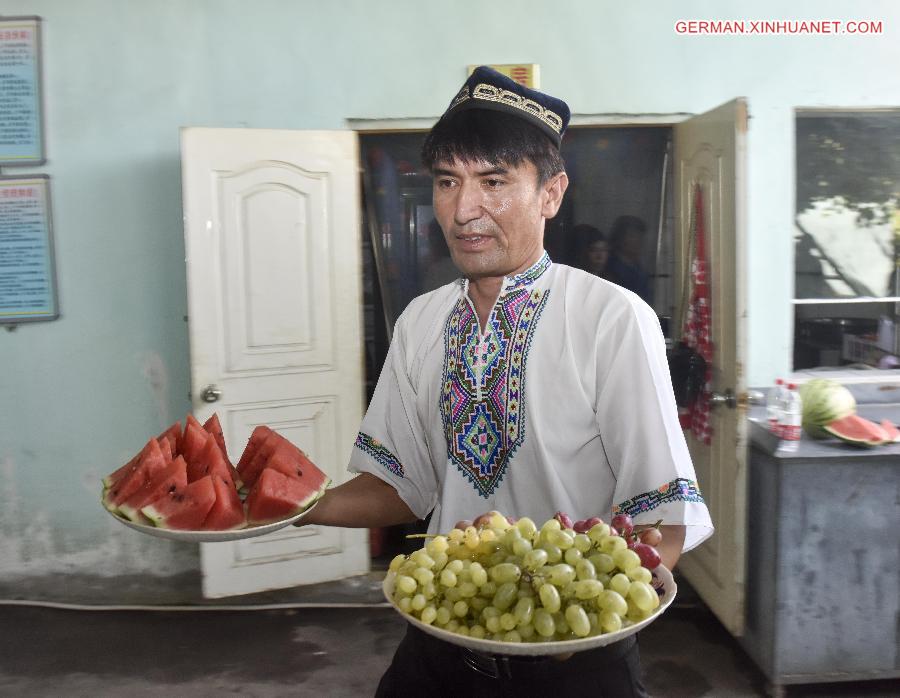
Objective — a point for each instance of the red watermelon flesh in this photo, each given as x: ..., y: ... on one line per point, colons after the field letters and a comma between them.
x: 275, y: 442
x: 213, y: 426
x: 166, y: 447
x: 857, y: 430
x: 227, y: 512
x: 210, y: 462
x: 259, y: 435
x: 193, y: 443
x: 276, y: 496
x: 893, y: 433
x: 173, y: 477
x: 173, y: 435
x: 184, y: 509
x: 191, y: 419
x: 149, y: 461
x: 299, y: 467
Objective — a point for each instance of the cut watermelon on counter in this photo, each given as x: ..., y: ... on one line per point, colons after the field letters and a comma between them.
x: 892, y: 432
x: 184, y: 509
x: 172, y: 478
x: 276, y: 496
x: 227, y: 512
x: 857, y: 431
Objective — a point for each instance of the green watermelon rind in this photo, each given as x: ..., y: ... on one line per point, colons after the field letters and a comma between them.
x: 824, y: 401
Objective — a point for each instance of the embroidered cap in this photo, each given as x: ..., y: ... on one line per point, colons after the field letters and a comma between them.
x: 488, y: 89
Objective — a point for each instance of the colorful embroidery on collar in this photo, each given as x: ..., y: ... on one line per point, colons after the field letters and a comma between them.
x: 680, y: 489
x: 383, y: 456
x: 483, y: 394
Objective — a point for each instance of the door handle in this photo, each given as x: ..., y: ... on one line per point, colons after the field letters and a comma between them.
x: 728, y: 398
x: 211, y: 393
x: 744, y: 400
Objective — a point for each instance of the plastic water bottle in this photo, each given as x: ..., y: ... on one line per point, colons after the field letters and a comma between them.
x: 791, y: 419
x: 774, y: 406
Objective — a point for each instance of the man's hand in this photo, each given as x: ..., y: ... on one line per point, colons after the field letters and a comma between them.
x: 363, y: 502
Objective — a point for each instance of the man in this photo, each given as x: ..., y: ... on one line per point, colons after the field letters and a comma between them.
x: 526, y: 387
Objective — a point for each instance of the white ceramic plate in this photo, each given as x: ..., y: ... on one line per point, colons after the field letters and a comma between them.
x: 539, y: 648
x: 214, y: 536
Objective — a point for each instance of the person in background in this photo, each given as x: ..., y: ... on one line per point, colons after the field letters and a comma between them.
x: 626, y: 240
x: 529, y: 387
x: 592, y: 250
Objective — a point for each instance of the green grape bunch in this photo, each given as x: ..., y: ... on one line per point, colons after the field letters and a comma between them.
x: 509, y: 580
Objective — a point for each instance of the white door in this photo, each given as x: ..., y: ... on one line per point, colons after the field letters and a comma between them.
x: 710, y: 152
x: 274, y: 303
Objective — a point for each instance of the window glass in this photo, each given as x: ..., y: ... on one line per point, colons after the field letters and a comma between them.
x: 847, y: 238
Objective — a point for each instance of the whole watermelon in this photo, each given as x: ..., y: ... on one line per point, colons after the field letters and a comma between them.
x: 824, y: 401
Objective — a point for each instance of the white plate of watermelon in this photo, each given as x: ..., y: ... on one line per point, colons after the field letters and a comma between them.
x: 192, y: 536
x: 181, y: 485
x: 662, y: 575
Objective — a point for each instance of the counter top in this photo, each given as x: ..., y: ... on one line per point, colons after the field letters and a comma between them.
x: 760, y: 437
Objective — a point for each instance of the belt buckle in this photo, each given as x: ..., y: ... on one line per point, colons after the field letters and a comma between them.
x: 490, y: 665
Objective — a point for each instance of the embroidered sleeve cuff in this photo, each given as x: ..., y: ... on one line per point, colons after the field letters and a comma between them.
x: 678, y: 502
x: 382, y: 456
x: 371, y: 456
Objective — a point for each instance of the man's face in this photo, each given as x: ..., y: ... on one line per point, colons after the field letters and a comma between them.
x: 493, y: 215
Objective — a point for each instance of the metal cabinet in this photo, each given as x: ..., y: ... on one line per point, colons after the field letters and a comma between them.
x: 823, y: 559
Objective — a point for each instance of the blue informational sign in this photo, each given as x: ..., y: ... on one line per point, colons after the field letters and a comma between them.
x: 21, y: 141
x: 27, y: 274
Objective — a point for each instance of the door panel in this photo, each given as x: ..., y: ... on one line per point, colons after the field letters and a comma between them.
x: 710, y: 153
x: 273, y: 264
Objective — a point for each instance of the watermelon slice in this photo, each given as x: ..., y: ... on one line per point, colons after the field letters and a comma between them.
x: 274, y: 443
x: 213, y: 426
x: 259, y: 435
x: 193, y: 442
x: 276, y: 496
x: 857, y: 430
x: 173, y: 477
x: 184, y: 509
x: 227, y: 512
x: 893, y: 433
x: 210, y: 462
x: 166, y: 447
x: 173, y: 435
x: 298, y: 467
x: 148, y: 462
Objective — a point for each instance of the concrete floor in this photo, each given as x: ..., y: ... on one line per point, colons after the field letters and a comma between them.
x: 246, y: 651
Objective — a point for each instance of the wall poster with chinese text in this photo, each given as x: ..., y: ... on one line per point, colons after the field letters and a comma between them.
x: 21, y: 131
x: 27, y: 267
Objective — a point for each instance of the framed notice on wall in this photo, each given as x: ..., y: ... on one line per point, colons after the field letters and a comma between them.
x: 21, y: 131
x: 27, y: 268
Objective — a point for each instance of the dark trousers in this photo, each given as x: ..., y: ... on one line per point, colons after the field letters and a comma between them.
x: 426, y: 666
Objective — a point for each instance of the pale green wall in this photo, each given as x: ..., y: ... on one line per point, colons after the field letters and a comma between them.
x: 121, y: 76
